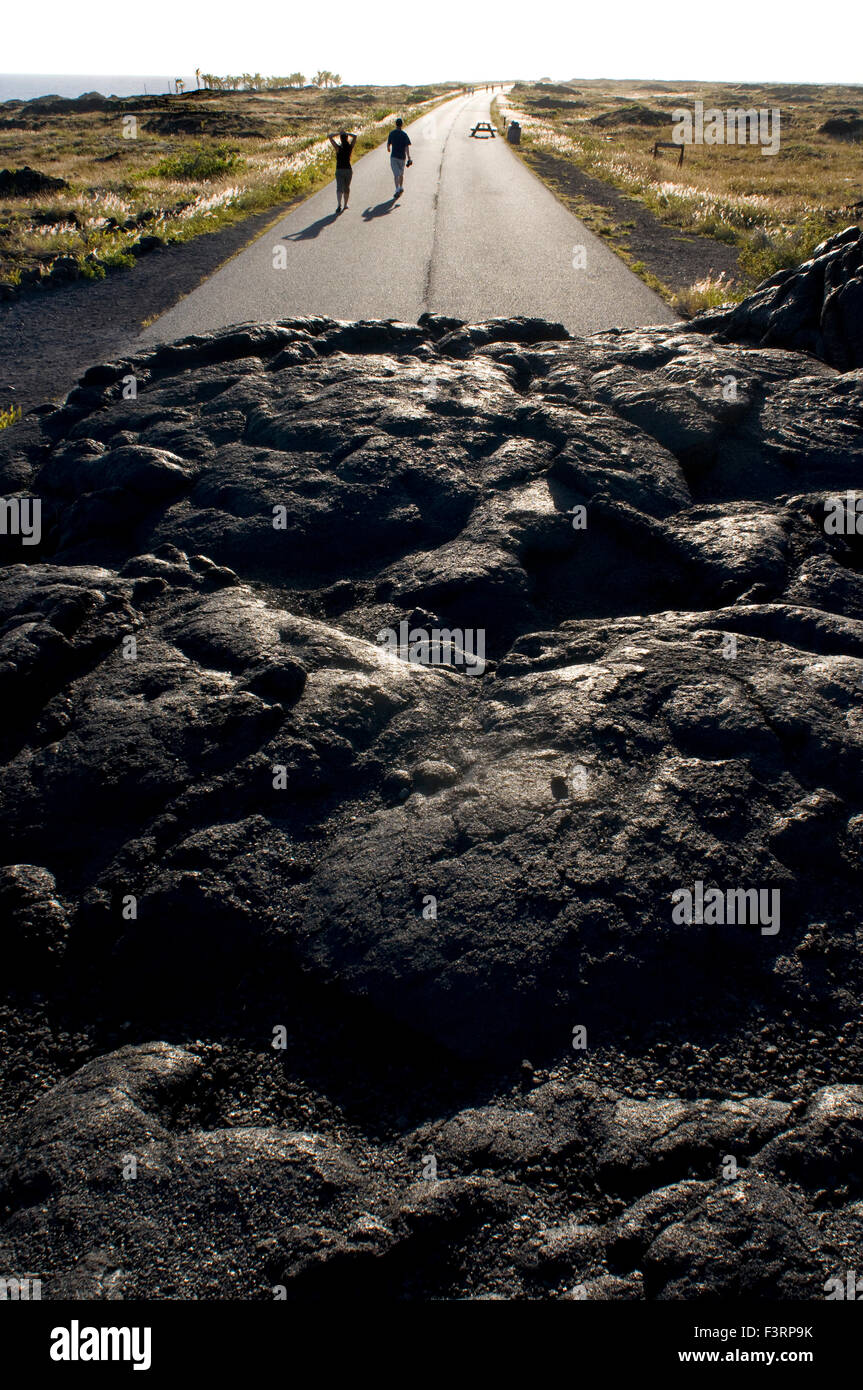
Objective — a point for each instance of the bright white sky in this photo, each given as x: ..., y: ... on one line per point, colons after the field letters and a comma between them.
x: 750, y: 41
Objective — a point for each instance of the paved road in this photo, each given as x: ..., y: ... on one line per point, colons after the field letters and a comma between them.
x: 474, y: 235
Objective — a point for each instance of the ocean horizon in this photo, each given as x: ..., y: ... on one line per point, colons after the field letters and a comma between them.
x: 24, y: 86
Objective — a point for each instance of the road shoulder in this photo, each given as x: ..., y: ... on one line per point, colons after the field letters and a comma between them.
x: 49, y: 337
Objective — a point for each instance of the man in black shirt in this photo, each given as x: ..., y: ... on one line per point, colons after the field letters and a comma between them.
x: 398, y: 144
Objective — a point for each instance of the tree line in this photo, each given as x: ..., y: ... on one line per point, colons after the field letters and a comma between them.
x: 255, y: 82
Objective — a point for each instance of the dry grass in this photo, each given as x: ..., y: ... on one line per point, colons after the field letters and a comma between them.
x: 709, y: 293
x: 240, y: 152
x: 774, y: 209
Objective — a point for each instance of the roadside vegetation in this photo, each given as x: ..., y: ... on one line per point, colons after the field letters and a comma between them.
x: 116, y: 177
x: 772, y: 210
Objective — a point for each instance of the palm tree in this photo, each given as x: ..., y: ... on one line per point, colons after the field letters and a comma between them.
x: 297, y: 79
x: 198, y: 77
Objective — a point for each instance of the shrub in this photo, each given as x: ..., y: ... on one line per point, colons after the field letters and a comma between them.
x: 198, y: 164
x: 765, y: 252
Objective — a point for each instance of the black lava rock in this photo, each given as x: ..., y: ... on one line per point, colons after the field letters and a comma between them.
x: 249, y: 808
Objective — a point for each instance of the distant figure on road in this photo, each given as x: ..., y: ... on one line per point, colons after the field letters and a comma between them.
x: 398, y: 144
x: 344, y: 148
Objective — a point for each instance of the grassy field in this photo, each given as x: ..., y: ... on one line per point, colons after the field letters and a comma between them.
x: 170, y: 166
x: 773, y: 209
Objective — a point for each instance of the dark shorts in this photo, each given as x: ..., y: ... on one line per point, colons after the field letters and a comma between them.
x: 343, y: 180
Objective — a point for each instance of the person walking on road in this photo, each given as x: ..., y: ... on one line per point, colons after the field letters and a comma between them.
x: 398, y: 144
x: 344, y: 148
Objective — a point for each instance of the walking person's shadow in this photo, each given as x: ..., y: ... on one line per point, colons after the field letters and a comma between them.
x: 314, y: 229
x: 380, y: 210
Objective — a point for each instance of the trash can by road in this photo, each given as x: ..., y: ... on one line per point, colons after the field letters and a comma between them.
x: 513, y: 133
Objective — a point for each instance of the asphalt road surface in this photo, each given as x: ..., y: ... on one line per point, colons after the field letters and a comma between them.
x: 474, y: 235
